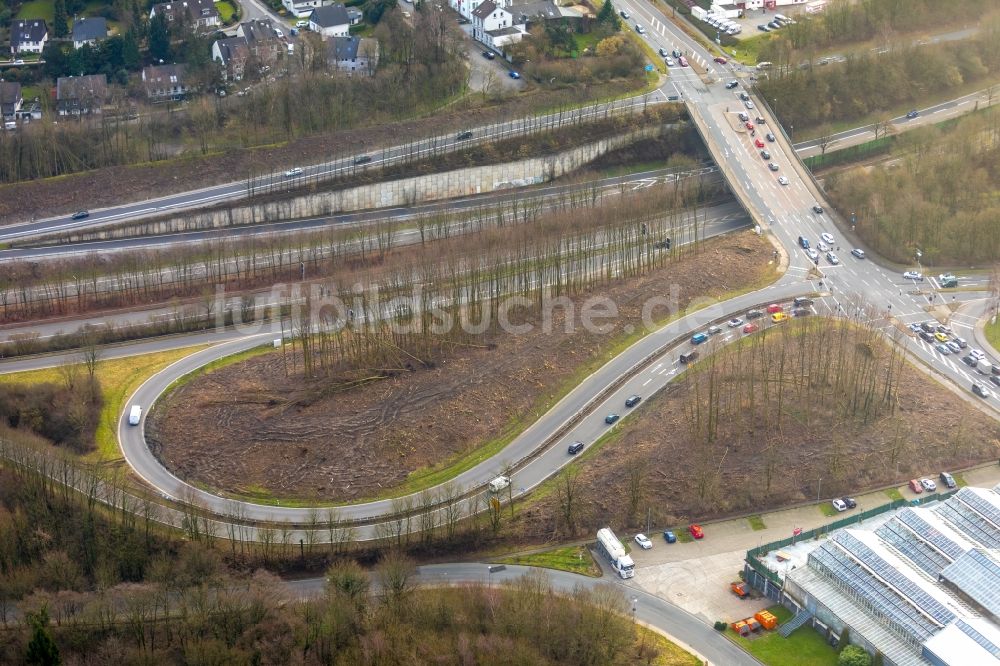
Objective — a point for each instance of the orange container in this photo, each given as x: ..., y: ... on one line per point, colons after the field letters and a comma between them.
x: 767, y: 620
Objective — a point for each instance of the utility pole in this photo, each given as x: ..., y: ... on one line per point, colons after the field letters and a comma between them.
x: 819, y: 484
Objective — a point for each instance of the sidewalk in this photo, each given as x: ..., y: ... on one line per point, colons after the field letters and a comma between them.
x: 696, y: 575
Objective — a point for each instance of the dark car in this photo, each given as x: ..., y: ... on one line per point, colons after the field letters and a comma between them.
x: 611, y: 418
x: 669, y: 536
x: 364, y: 159
x: 763, y: 28
x: 766, y: 155
x: 948, y: 480
x: 928, y: 326
x: 804, y: 242
x: 80, y: 214
x: 912, y: 114
x: 489, y: 55
x: 575, y: 448
x: 970, y: 361
x: 995, y: 379
x: 689, y: 357
x: 801, y: 312
x: 760, y: 120
x: 817, y: 209
x: 772, y: 166
x: 769, y: 137
x: 927, y: 337
x: 753, y: 314
x: 849, y: 501
x: 662, y: 244
x: 744, y: 96
x: 675, y: 53
x: 462, y: 136
x: 802, y: 300
x: 633, y: 400
x: 732, y: 84
x: 981, y: 391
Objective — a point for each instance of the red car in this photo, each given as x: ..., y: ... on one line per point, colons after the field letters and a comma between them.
x: 757, y: 142
x: 750, y: 328
x: 915, y: 486
x: 720, y: 60
x: 696, y: 531
x: 774, y: 307
x: 749, y: 127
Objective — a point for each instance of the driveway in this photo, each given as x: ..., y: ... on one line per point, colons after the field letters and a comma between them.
x: 492, y: 76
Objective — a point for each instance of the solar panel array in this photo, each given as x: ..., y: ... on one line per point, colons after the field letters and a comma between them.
x: 982, y: 506
x: 891, y: 575
x: 969, y: 523
x: 929, y: 533
x: 929, y: 560
x: 872, y: 593
x: 971, y: 632
x: 977, y: 574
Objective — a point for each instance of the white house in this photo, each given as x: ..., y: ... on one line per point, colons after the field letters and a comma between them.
x: 330, y: 21
x: 28, y: 36
x: 300, y: 8
x: 494, y: 26
x: 200, y: 14
x: 353, y: 55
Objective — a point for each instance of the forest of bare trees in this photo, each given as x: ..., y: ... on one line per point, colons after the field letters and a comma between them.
x: 939, y: 196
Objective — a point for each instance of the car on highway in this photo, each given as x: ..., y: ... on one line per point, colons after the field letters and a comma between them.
x: 953, y: 346
x: 639, y: 29
x: 752, y: 328
x: 699, y: 338
x: 772, y: 166
x: 363, y: 159
x: 514, y: 75
x: 732, y: 84
x: 782, y: 180
x: 827, y: 237
x: 813, y: 254
x: 633, y: 400
x: 735, y: 322
x: 832, y: 258
x: 839, y: 505
x: 743, y: 117
x: 757, y: 142
x: 769, y: 137
x: 696, y: 531
x: 858, y: 252
x: 714, y: 330
x: 575, y: 448
x: 995, y: 380
x: 669, y: 61
x: 643, y: 541
x: 683, y: 61
x: 778, y: 317
x: 759, y: 120
x: 849, y: 501
x: 720, y: 60
x: 941, y: 336
x: 913, y: 275
x: 928, y: 485
x: 817, y: 209
x: 927, y: 337
x: 749, y: 126
x: 624, y: 14
x: 948, y: 480
x: 961, y: 342
x: 912, y: 114
x: 669, y: 536
x: 80, y: 214
x: 942, y: 349
x: 611, y: 418
x: 664, y: 53
x: 754, y: 314
x: 981, y: 391
x: 463, y: 136
x: 296, y: 171
x: 977, y: 354
x: 915, y: 486
x: 489, y: 55
x: 765, y: 155
x: 772, y: 308
x: 969, y: 361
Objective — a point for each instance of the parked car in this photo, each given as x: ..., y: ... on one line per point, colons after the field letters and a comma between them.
x: 813, y: 254
x: 611, y: 418
x: 664, y: 53
x: 953, y: 346
x: 749, y: 126
x: 926, y: 337
x: 643, y: 541
x: 633, y: 400
x: 696, y: 531
x: 757, y: 142
x: 80, y: 214
x: 763, y: 28
x: 948, y: 480
x: 489, y: 55
x: 839, y: 505
x: 782, y: 180
x: 748, y: 103
x: 941, y: 337
x: 849, y: 501
x: 670, y: 63
x: 817, y: 209
x: 944, y: 351
x: 713, y: 330
x: 743, y: 117
x: 799, y: 301
x: 928, y: 485
x: 961, y: 342
x: 765, y: 155
x: 575, y: 448
x: 915, y: 486
x: 514, y: 75
x: 970, y: 361
x: 669, y: 536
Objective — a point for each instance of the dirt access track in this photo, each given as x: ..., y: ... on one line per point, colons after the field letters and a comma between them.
x: 230, y: 430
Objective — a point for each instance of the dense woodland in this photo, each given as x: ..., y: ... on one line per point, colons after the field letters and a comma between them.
x: 939, y: 196
x: 870, y: 83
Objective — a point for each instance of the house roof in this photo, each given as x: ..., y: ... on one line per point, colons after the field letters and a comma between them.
x: 232, y: 47
x: 330, y: 16
x: 163, y: 75
x: 258, y: 30
x: 545, y: 9
x: 92, y: 86
x: 90, y: 29
x: 191, y: 9
x: 347, y: 48
x: 10, y: 95
x: 23, y: 31
x: 484, y: 9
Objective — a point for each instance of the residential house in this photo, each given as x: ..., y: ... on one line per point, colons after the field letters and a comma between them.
x: 300, y: 8
x: 353, y: 55
x: 165, y: 82
x: 232, y: 54
x: 28, y: 36
x: 354, y: 15
x: 10, y: 100
x: 263, y: 42
x: 494, y: 26
x: 81, y: 95
x: 330, y: 21
x: 199, y: 14
x: 527, y: 11
x: 89, y: 31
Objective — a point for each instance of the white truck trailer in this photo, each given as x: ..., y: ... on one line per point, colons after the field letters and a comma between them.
x: 615, y: 552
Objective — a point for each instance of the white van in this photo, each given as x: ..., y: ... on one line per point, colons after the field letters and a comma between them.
x: 763, y: 65
x: 499, y: 483
x: 134, y: 415
x: 782, y: 18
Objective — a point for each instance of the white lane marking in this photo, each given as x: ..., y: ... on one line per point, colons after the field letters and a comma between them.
x: 647, y: 381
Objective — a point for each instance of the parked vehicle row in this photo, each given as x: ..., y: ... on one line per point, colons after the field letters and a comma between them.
x: 920, y: 485
x: 844, y: 503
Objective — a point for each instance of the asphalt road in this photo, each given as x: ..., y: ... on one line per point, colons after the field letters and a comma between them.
x: 657, y: 613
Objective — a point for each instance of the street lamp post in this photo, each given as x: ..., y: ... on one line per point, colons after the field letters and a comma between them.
x: 819, y: 484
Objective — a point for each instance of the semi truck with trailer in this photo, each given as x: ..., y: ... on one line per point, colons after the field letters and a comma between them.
x: 613, y: 549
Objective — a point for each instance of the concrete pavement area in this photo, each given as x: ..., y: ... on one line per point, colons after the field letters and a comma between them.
x: 696, y: 575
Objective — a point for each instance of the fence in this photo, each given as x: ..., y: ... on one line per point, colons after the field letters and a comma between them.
x: 851, y: 154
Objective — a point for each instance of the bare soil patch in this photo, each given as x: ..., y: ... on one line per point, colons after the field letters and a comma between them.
x: 229, y: 429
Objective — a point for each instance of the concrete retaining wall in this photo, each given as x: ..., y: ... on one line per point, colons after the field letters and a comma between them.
x: 396, y: 193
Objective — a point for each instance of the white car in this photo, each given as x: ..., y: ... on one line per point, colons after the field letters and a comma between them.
x: 736, y: 322
x: 832, y: 258
x: 291, y: 173
x: 823, y: 247
x: 827, y: 237
x: 813, y: 254
x: 858, y: 252
x: 643, y: 541
x: 839, y: 505
x: 782, y: 180
x: 913, y: 275
x: 977, y: 354
x: 639, y: 29
x: 928, y: 485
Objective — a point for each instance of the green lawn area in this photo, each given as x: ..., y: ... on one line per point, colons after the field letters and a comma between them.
x: 574, y: 559
x: 805, y: 647
x: 583, y: 41
x: 43, y: 9
x: 226, y: 11
x: 756, y: 523
x: 992, y: 330
x: 827, y: 509
x: 748, y: 50
x: 894, y: 494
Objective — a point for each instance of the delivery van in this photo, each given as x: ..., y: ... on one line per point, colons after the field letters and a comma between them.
x: 134, y: 415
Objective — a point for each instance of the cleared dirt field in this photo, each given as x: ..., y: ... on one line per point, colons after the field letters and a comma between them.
x: 233, y: 429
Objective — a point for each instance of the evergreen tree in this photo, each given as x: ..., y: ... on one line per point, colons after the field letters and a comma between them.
x: 42, y: 650
x: 159, y: 38
x: 60, y: 20
x: 608, y: 17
